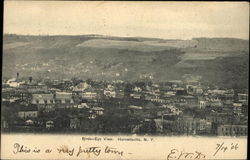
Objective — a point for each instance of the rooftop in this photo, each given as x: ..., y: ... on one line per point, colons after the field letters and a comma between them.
x: 63, y: 95
x: 43, y: 96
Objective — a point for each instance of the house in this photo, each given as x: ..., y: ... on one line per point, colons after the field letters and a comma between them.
x: 244, y: 109
x: 56, y: 82
x: 109, y: 93
x: 16, y: 94
x: 226, y: 96
x: 135, y: 109
x: 198, y: 90
x: 98, y: 110
x: 92, y: 115
x: 95, y: 111
x: 135, y: 128
x: 81, y: 87
x: 29, y: 122
x: 149, y: 97
x: 110, y: 87
x: 243, y: 98
x: 29, y: 112
x: 137, y: 89
x: 154, y: 98
x: 158, y: 100
x: 190, y: 125
x: 217, y: 92
x: 83, y: 105
x: 173, y: 109
x: 49, y: 124
x: 169, y: 93
x: 215, y: 103
x: 191, y: 101
x: 150, y: 105
x: 219, y: 118
x: 232, y: 130
x: 176, y: 83
x: 203, y: 104
x: 43, y: 101
x: 9, y: 92
x: 89, y: 93
x: 227, y: 99
x: 35, y: 88
x: 64, y: 100
x: 194, y: 89
x: 237, y: 108
x: 14, y: 82
x: 74, y: 123
x: 135, y: 95
x: 204, y: 126
x: 180, y: 91
x: 159, y: 125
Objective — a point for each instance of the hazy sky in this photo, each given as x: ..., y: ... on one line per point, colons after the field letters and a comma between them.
x: 144, y: 19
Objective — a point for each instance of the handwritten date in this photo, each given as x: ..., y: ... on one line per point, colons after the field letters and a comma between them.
x: 222, y: 147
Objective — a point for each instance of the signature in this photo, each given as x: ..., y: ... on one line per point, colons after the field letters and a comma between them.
x: 177, y: 155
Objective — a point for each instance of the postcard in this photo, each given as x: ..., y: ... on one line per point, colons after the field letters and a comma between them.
x: 125, y: 80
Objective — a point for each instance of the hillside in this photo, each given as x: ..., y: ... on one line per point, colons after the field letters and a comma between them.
x: 223, y: 61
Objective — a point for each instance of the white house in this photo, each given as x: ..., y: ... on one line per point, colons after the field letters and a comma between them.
x: 202, y: 104
x: 49, y: 124
x: 28, y: 114
x: 109, y: 93
x: 14, y: 83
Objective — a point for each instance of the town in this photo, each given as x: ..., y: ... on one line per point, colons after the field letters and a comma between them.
x: 143, y: 107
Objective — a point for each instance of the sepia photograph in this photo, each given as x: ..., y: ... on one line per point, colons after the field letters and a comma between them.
x: 161, y: 70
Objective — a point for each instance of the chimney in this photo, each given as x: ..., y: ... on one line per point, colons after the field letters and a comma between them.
x: 17, y: 75
x: 30, y: 79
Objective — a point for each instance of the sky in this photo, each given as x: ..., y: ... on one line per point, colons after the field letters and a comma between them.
x: 168, y: 20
